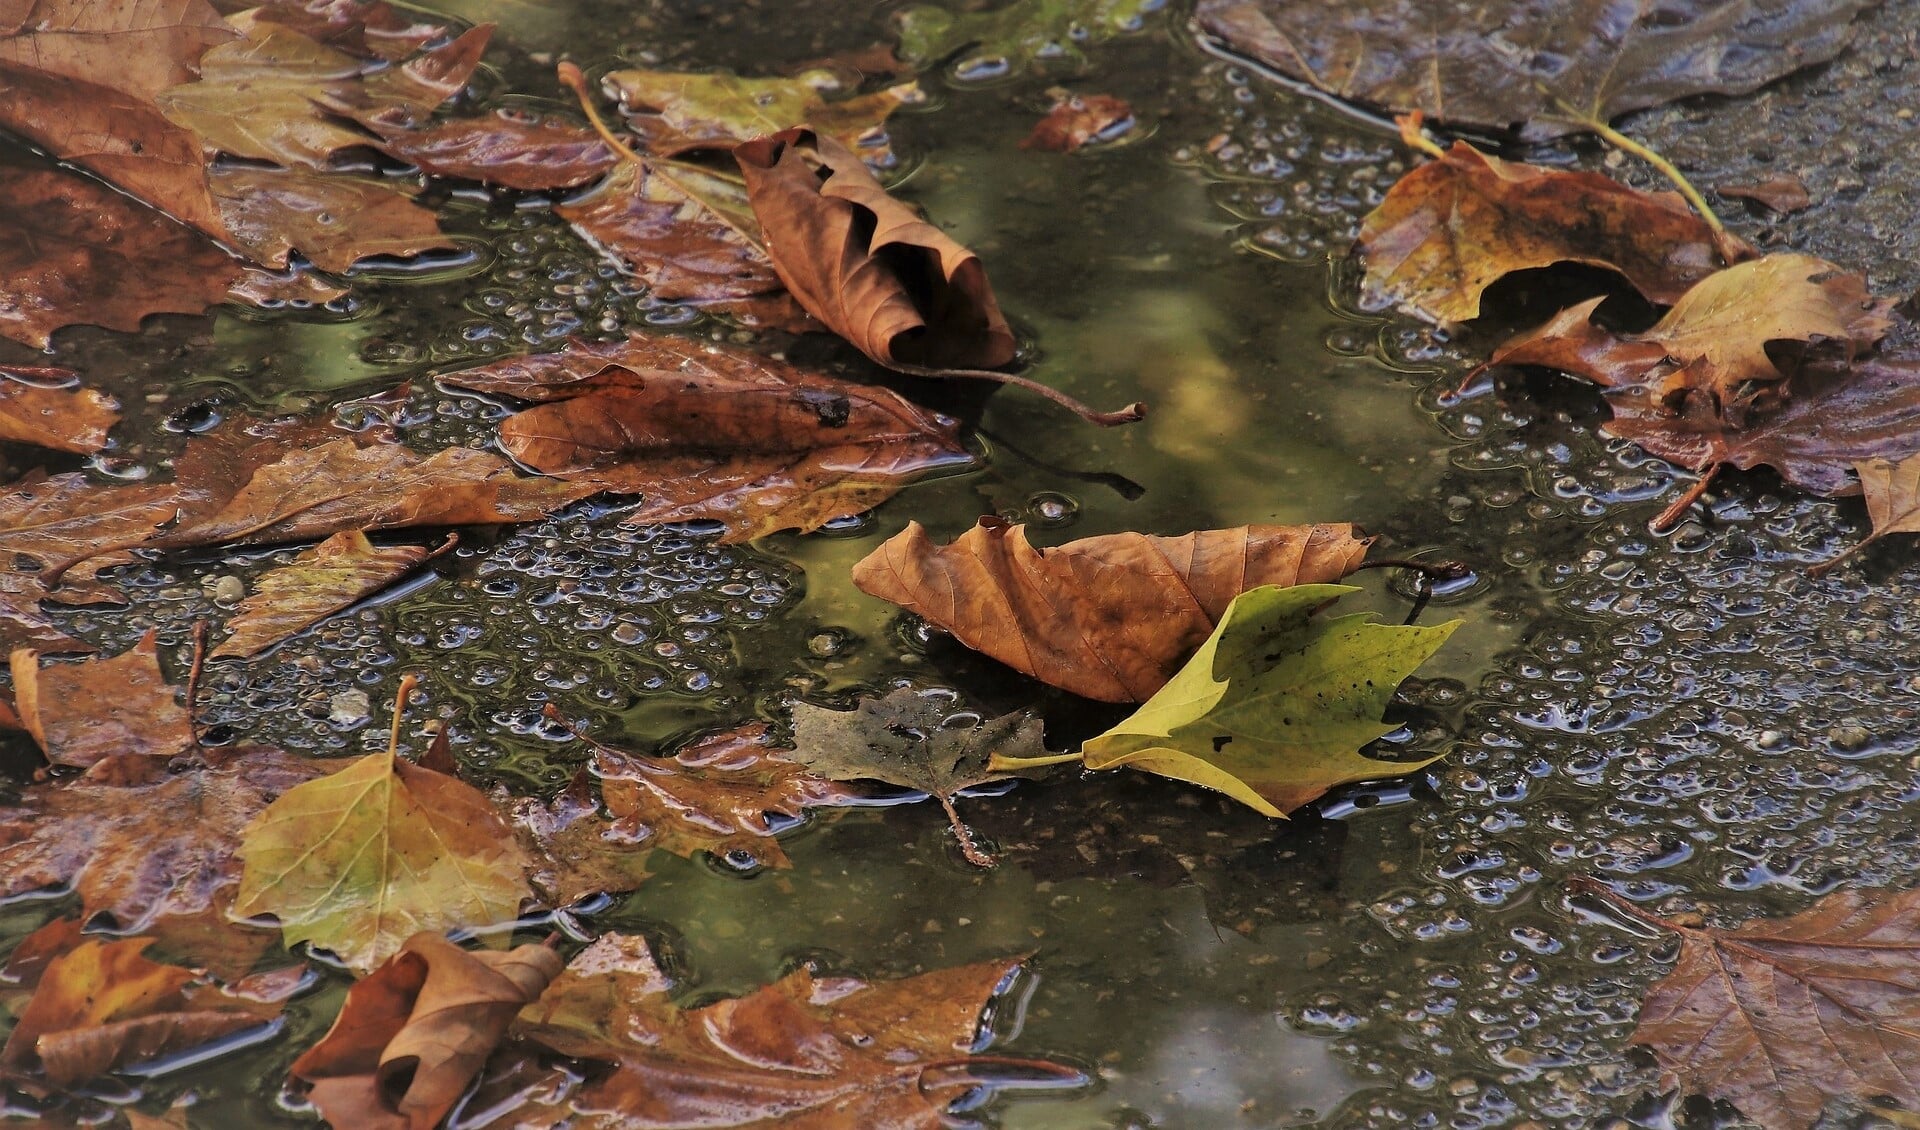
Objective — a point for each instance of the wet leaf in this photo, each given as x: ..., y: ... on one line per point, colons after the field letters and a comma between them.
x: 1274, y: 707
x: 714, y: 434
x: 335, y: 221
x: 359, y: 861
x: 916, y: 740
x: 1109, y: 617
x: 1015, y: 36
x: 416, y: 1031
x: 804, y: 1052
x: 1779, y: 1015
x: 510, y: 148
x: 84, y: 711
x: 676, y: 112
x: 39, y: 406
x: 867, y: 266
x: 1077, y: 120
x: 1893, y: 498
x: 331, y: 576
x: 1783, y: 194
x: 152, y: 849
x: 1547, y: 68
x: 47, y: 523
x: 372, y: 29
x: 1454, y: 226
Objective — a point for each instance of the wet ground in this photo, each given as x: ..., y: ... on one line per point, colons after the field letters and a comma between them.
x: 1688, y: 714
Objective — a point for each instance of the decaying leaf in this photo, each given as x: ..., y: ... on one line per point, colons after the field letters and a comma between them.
x: 916, y: 740
x: 801, y: 1052
x: 1078, y: 120
x: 705, y: 433
x: 1454, y: 226
x: 674, y: 112
x: 333, y: 575
x: 1893, y: 501
x: 335, y: 221
x: 1015, y: 36
x: 415, y: 1032
x: 1783, y: 193
x: 1548, y: 68
x: 96, y: 708
x: 510, y: 148
x: 1110, y: 617
x: 867, y: 266
x: 1274, y: 707
x: 41, y: 407
x: 1778, y: 1016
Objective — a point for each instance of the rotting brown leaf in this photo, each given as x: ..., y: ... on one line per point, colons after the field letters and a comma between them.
x: 92, y: 709
x: 1782, y: 193
x: 510, y: 148
x: 335, y: 221
x: 1454, y: 226
x: 1777, y: 1016
x: 42, y: 407
x: 1078, y: 120
x: 331, y: 576
x: 1110, y: 617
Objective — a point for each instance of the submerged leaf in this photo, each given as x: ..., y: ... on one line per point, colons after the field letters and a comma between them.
x: 1078, y: 120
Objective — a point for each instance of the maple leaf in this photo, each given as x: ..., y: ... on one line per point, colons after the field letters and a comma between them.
x: 414, y: 1032
x: 39, y: 406
x: 1552, y: 69
x: 333, y: 575
x: 804, y: 1053
x: 916, y: 740
x: 1016, y: 36
x: 707, y: 433
x: 1456, y: 225
x: 1274, y: 707
x: 82, y: 712
x: 1110, y: 617
x: 1779, y: 1015
x: 1078, y: 120
x: 676, y: 112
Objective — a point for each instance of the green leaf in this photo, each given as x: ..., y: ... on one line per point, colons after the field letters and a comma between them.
x: 1014, y: 37
x: 1274, y: 707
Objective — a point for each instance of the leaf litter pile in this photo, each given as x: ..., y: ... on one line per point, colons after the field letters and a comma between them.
x: 273, y: 158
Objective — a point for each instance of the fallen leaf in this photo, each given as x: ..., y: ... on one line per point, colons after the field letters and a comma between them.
x: 359, y: 861
x: 1779, y: 1015
x: 1015, y: 36
x: 1549, y: 69
x: 1110, y: 617
x: 416, y: 1031
x: 1274, y: 707
x: 510, y: 148
x: 1456, y: 225
x: 84, y: 711
x: 714, y: 434
x: 339, y: 572
x: 371, y: 29
x: 803, y: 1052
x: 335, y: 221
x: 153, y: 851
x: 46, y: 524
x: 917, y: 740
x: 1784, y: 193
x: 867, y: 266
x: 1893, y: 502
x: 39, y: 406
x: 675, y: 112
x: 1077, y: 120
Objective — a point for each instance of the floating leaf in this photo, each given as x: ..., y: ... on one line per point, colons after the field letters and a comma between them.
x: 510, y: 148
x: 333, y: 575
x: 1078, y: 120
x: 97, y: 708
x: 335, y: 221
x: 675, y: 112
x: 1108, y: 617
x: 1015, y: 36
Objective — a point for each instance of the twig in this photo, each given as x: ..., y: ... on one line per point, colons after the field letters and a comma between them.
x: 1821, y: 569
x: 193, y: 680
x: 1670, y: 517
x: 1588, y: 885
x: 967, y: 847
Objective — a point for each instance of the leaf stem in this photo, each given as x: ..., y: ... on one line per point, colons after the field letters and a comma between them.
x: 1670, y: 517
x: 999, y: 763
x: 571, y: 77
x: 1588, y: 885
x: 1821, y: 569
x: 1132, y: 412
x: 1665, y: 167
x: 1413, y: 134
x: 400, y: 699
x: 968, y: 847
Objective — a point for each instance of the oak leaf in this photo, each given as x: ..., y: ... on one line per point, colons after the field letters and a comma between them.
x: 1274, y: 707
x: 1549, y: 69
x: 1109, y: 617
x: 40, y: 406
x: 896, y: 287
x: 331, y: 576
x: 715, y: 434
x: 1013, y: 37
x: 1777, y: 1016
x: 674, y: 112
x: 1456, y: 225
x: 84, y: 711
x: 510, y: 148
x: 1078, y: 120
x: 415, y: 1032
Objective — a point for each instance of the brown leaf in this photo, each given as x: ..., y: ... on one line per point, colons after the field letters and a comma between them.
x: 803, y: 1053
x: 335, y: 221
x: 1110, y: 617
x: 715, y: 434
x: 1077, y: 120
x: 869, y: 267
x: 333, y: 575
x: 416, y: 1031
x: 39, y: 406
x: 1455, y: 226
x: 95, y: 708
x: 676, y: 112
x: 510, y: 148
x: 1547, y: 67
x: 79, y: 1054
x: 1893, y: 496
x: 154, y: 850
x: 1784, y: 193
x: 369, y: 28
x: 1777, y: 1016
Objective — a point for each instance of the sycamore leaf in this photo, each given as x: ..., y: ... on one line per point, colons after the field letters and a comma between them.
x: 1108, y: 617
x: 84, y: 711
x: 1777, y: 1016
x: 1015, y: 36
x: 677, y: 112
x: 359, y: 861
x: 1454, y: 226
x: 805, y: 1051
x: 40, y: 406
x: 333, y: 575
x: 1274, y: 707
x: 415, y: 1032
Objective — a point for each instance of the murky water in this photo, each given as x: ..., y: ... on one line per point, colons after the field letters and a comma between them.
x: 1688, y: 713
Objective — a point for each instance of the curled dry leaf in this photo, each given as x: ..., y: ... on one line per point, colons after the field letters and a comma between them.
x: 97, y: 708
x: 867, y: 266
x: 676, y: 112
x: 1550, y: 68
x: 1893, y: 501
x: 1078, y: 120
x: 333, y: 575
x: 509, y: 148
x: 1453, y: 227
x: 38, y: 407
x: 1110, y: 617
x: 704, y: 433
x: 416, y: 1031
x: 1778, y: 1016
